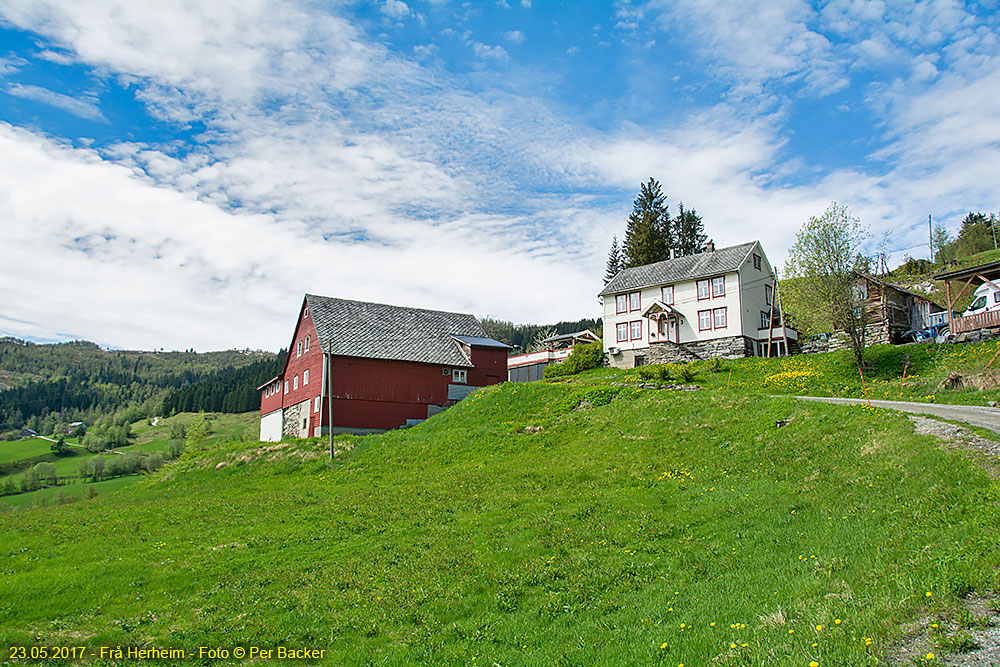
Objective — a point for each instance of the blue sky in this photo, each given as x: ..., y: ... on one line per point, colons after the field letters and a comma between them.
x: 178, y: 174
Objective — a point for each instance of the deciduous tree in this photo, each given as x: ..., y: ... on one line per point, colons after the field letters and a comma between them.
x: 826, y: 253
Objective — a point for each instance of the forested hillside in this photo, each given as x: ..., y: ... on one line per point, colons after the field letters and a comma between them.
x: 522, y: 336
x: 46, y: 385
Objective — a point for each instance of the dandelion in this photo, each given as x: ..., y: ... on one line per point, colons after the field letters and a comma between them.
x: 813, y: 663
x: 927, y: 594
x: 791, y: 632
x: 712, y: 624
x: 837, y: 622
x: 930, y: 656
x: 663, y: 646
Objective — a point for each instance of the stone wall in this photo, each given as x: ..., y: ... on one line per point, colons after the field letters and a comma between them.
x: 291, y: 426
x: 735, y: 347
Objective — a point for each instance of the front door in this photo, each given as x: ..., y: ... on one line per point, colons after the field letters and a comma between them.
x: 672, y: 334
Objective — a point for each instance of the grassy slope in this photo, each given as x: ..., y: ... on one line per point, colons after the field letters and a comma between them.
x: 147, y: 439
x: 835, y: 374
x: 469, y: 541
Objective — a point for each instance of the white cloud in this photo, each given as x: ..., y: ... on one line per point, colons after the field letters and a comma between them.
x: 486, y: 51
x: 84, y: 107
x: 395, y: 9
x: 514, y: 36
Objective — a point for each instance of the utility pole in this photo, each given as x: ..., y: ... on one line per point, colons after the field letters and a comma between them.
x: 329, y: 392
x: 993, y: 220
x: 930, y: 237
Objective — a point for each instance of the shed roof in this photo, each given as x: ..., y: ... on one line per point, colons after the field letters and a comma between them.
x: 883, y: 283
x: 972, y: 271
x: 679, y: 269
x: 480, y: 341
x: 380, y: 331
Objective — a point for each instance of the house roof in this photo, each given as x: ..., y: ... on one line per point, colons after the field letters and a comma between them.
x: 479, y: 341
x: 883, y: 283
x: 380, y: 331
x: 679, y: 269
x: 586, y: 333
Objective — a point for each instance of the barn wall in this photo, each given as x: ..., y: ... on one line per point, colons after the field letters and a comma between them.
x: 490, y: 366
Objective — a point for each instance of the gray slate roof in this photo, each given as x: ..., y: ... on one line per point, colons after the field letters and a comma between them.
x: 679, y: 269
x: 380, y: 331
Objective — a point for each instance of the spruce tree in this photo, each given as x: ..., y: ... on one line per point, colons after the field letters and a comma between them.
x: 614, y: 262
x: 689, y: 232
x: 648, y: 236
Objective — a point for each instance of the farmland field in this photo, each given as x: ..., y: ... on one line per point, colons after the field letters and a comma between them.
x: 577, y: 522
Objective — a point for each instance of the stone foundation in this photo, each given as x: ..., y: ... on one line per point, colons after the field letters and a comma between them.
x: 735, y: 347
x: 291, y: 426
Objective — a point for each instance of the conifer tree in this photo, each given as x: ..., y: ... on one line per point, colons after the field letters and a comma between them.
x: 648, y: 236
x: 614, y: 262
x: 689, y: 232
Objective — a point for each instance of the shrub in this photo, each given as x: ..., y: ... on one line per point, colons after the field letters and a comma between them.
x: 685, y: 374
x: 583, y: 357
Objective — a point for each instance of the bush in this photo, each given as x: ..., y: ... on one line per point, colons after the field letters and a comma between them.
x: 583, y: 357
x: 685, y: 374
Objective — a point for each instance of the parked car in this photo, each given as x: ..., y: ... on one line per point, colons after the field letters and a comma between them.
x: 985, y: 299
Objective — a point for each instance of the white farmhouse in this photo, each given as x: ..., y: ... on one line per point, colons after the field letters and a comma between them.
x: 719, y: 303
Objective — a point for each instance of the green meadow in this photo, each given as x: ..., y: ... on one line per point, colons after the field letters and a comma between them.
x: 587, y: 521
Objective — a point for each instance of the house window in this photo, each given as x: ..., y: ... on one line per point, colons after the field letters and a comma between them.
x: 295, y: 383
x: 305, y: 377
x: 635, y: 330
x: 286, y: 386
x: 305, y: 313
x: 298, y: 349
x: 316, y: 408
x: 307, y: 344
x: 720, y: 318
x: 459, y: 375
x: 767, y: 294
x: 621, y: 332
x: 704, y: 289
x: 704, y: 320
x: 621, y: 303
x: 634, y: 302
x: 719, y: 286
x: 756, y: 262
x: 765, y: 319
x: 668, y: 294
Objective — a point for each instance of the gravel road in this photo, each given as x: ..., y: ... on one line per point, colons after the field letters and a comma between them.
x: 969, y: 414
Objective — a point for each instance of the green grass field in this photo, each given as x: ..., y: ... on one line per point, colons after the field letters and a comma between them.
x: 147, y: 439
x: 835, y: 373
x: 569, y: 523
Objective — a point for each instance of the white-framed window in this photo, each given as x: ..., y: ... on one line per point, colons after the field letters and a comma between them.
x: 621, y: 303
x: 305, y: 313
x: 621, y: 331
x: 295, y: 382
x: 306, y: 348
x: 704, y: 289
x: 298, y: 349
x: 668, y: 294
x: 317, y: 402
x: 305, y: 377
x: 459, y: 375
x: 635, y: 330
x: 719, y: 286
x: 719, y: 315
x: 704, y: 320
x: 634, y: 302
x: 768, y: 290
x: 756, y: 261
x: 765, y: 319
x: 286, y: 386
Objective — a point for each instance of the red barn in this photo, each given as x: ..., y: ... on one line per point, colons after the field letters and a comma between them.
x: 388, y: 366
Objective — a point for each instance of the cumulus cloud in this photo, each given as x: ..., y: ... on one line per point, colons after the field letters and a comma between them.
x: 514, y: 36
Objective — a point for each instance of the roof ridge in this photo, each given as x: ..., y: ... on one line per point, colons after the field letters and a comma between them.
x: 388, y: 305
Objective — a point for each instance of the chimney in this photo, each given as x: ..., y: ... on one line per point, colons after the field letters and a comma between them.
x: 710, y: 246
x: 673, y: 253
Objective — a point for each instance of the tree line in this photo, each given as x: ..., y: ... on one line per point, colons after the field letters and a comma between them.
x: 523, y: 337
x: 653, y: 235
x: 55, y: 385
